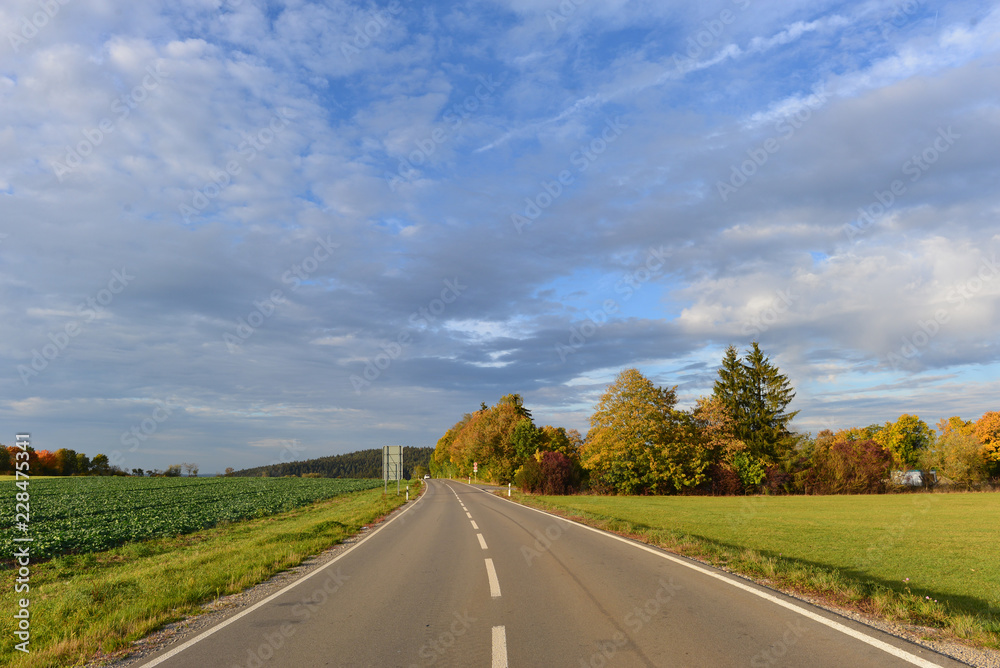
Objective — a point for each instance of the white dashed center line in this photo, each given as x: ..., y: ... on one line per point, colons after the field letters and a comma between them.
x: 482, y: 541
x: 491, y: 573
x: 499, y: 647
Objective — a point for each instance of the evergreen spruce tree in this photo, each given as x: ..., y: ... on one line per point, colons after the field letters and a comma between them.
x: 756, y: 395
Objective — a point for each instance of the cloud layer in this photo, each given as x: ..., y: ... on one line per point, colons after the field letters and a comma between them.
x: 242, y: 231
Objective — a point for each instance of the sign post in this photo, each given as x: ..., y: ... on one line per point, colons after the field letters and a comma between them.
x: 392, y: 465
x: 475, y: 470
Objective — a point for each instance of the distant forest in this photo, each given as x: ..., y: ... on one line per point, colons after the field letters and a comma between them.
x: 360, y: 464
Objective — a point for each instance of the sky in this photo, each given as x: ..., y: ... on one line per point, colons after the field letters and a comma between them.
x: 241, y: 232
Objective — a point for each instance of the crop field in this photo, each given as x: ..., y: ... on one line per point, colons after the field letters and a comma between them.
x: 91, y: 514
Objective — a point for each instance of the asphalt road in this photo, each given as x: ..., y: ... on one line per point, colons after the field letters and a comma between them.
x: 464, y: 578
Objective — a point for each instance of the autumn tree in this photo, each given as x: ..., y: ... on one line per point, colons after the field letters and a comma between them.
x: 66, y: 461
x: 858, y: 433
x: 987, y: 429
x: 442, y: 464
x: 558, y: 439
x: 100, y: 465
x: 958, y: 457
x: 848, y: 467
x: 638, y: 441
x: 956, y: 424
x: 48, y: 464
x: 905, y: 439
x: 492, y: 437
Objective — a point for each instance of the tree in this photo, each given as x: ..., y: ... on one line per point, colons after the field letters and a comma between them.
x: 755, y: 394
x: 138, y: 473
x: 848, y: 467
x: 488, y: 438
x: 82, y: 463
x: 99, y: 465
x: 444, y: 461
x: 230, y: 471
x: 557, y: 473
x: 173, y: 471
x: 191, y: 469
x: 575, y: 444
x: 988, y: 431
x: 716, y: 428
x: 958, y: 457
x: 526, y: 439
x: 529, y: 477
x: 553, y: 439
x: 638, y: 442
x: 48, y: 463
x: 905, y: 439
x: 956, y: 424
x: 858, y: 433
x: 66, y: 461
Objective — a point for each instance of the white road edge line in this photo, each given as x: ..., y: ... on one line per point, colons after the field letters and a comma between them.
x: 874, y: 642
x: 491, y: 573
x: 482, y: 541
x: 223, y: 624
x: 499, y: 647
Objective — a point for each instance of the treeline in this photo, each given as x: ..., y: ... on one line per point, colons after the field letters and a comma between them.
x: 735, y: 441
x: 65, y: 461
x: 360, y: 464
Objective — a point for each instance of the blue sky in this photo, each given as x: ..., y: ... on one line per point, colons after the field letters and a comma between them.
x: 242, y: 232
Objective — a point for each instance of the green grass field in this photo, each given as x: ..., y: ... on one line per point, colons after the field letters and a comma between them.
x: 892, y: 555
x: 99, y: 602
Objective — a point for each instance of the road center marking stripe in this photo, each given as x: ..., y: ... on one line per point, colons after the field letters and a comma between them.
x: 499, y: 647
x: 482, y: 541
x: 491, y: 573
x: 468, y: 514
x: 874, y: 642
x: 474, y: 525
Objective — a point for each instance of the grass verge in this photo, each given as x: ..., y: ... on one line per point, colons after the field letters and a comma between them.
x: 83, y: 605
x: 926, y: 560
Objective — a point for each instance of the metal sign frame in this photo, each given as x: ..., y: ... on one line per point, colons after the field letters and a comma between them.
x: 392, y: 465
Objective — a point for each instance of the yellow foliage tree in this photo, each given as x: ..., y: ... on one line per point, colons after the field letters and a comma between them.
x: 956, y: 425
x: 987, y: 429
x: 906, y: 439
x: 638, y: 442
